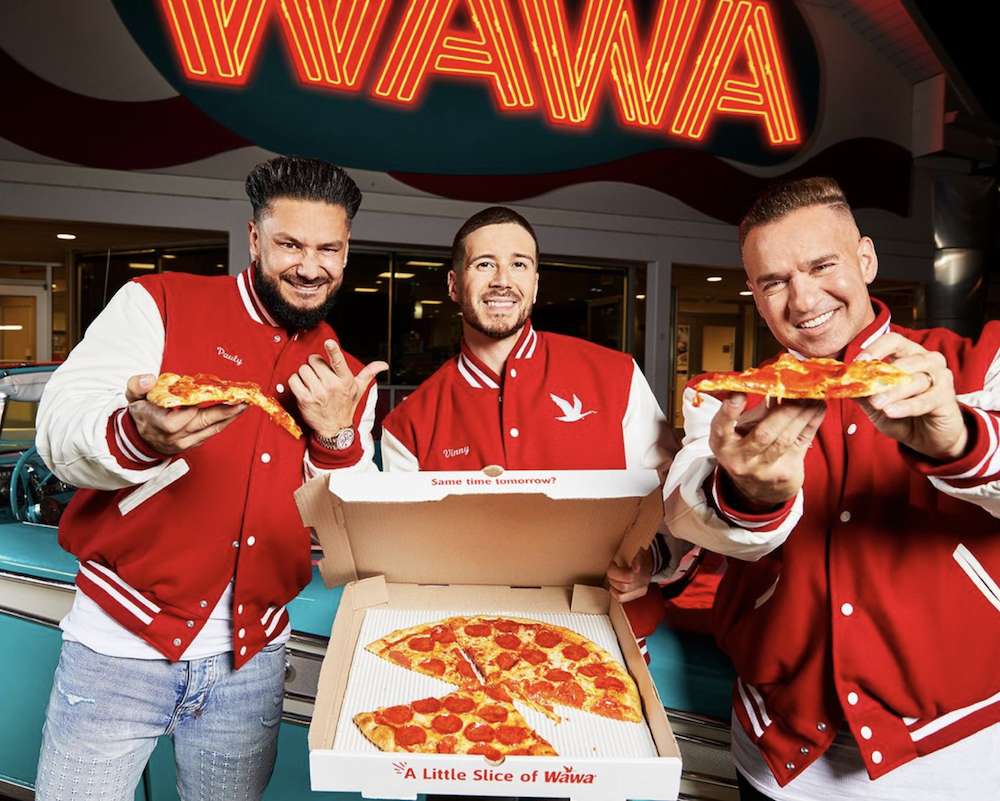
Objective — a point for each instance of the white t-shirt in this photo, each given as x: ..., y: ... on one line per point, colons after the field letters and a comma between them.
x: 90, y: 625
x: 969, y: 770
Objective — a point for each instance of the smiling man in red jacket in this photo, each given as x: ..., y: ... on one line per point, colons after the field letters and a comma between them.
x: 530, y: 400
x: 860, y: 606
x: 189, y: 540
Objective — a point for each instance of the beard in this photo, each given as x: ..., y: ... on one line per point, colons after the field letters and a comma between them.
x: 290, y: 316
x: 495, y: 329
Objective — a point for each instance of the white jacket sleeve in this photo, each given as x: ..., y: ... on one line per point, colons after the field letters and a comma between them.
x: 689, y: 513
x: 395, y: 457
x: 650, y: 445
x: 125, y: 340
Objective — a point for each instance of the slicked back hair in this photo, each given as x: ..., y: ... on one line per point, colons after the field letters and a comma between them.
x: 781, y: 199
x: 494, y: 215
x: 301, y: 179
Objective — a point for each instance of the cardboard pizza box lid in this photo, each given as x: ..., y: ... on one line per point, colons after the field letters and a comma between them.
x: 514, y: 528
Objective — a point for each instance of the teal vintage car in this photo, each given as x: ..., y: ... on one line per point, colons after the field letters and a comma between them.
x: 692, y: 678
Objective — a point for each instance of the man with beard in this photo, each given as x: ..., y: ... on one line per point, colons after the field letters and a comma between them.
x: 188, y: 537
x: 527, y: 400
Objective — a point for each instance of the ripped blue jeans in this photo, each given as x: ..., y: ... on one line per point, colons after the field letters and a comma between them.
x: 105, y: 714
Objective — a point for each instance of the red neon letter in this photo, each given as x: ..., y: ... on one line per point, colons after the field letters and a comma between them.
x: 422, y: 45
x: 332, y: 49
x: 569, y: 82
x: 607, y: 34
x: 216, y: 40
x: 643, y: 92
x: 714, y: 86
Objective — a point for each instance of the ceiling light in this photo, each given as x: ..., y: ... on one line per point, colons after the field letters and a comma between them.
x: 714, y: 279
x: 398, y: 275
x: 640, y: 297
x: 11, y: 327
x: 365, y: 289
x: 141, y: 265
x: 432, y: 302
x: 65, y: 236
x: 169, y: 256
x: 746, y: 293
x: 424, y: 264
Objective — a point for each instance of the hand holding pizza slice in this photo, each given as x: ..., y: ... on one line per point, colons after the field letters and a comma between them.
x: 172, y: 390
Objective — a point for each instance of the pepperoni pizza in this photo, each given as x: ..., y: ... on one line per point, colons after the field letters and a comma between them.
x: 817, y: 379
x: 172, y: 390
x: 473, y: 720
x: 538, y: 663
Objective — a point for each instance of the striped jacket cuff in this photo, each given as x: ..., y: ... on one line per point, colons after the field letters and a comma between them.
x: 125, y: 444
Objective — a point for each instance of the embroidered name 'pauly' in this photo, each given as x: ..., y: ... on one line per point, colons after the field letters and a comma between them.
x: 222, y: 352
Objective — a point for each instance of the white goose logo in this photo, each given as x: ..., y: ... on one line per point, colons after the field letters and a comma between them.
x: 572, y: 412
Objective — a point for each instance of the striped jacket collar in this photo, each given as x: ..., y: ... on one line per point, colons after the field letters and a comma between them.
x: 251, y: 300
x: 479, y: 376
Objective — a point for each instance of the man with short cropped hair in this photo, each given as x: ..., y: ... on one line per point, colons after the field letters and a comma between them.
x: 530, y: 400
x: 860, y: 604
x: 189, y: 540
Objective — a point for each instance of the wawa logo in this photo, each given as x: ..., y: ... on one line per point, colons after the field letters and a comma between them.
x: 571, y: 412
x: 703, y: 59
x: 568, y: 776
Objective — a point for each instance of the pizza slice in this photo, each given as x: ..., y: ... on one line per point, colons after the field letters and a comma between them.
x: 429, y: 648
x: 473, y: 720
x: 172, y: 390
x: 809, y: 379
x: 544, y: 664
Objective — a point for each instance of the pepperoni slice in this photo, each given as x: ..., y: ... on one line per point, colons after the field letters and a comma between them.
x: 498, y: 692
x: 447, y: 724
x: 609, y: 709
x: 398, y: 715
x: 446, y: 745
x: 442, y: 634
x: 533, y: 656
x: 559, y: 675
x: 609, y: 683
x: 571, y: 694
x: 511, y: 735
x: 508, y: 626
x: 478, y: 630
x: 435, y: 666
x: 459, y: 704
x: 506, y: 660
x: 548, y: 638
x: 592, y: 670
x: 410, y: 735
x: 509, y: 641
x: 399, y: 658
x: 541, y: 688
x: 426, y: 706
x: 493, y: 713
x: 487, y: 751
x: 424, y: 644
x: 575, y: 652
x: 465, y: 669
x: 479, y: 733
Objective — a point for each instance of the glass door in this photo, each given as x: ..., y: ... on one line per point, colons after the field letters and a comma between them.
x: 25, y: 332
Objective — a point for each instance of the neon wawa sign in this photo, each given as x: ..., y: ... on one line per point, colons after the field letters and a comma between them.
x: 693, y: 67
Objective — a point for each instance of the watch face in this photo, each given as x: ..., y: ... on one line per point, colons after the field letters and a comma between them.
x: 345, y: 438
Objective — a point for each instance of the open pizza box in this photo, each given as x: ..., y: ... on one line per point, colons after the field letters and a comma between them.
x: 413, y: 548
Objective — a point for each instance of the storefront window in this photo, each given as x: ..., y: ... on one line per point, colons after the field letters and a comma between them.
x: 100, y: 275
x: 394, y: 306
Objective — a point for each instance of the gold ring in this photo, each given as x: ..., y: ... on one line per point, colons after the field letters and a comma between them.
x: 930, y: 380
